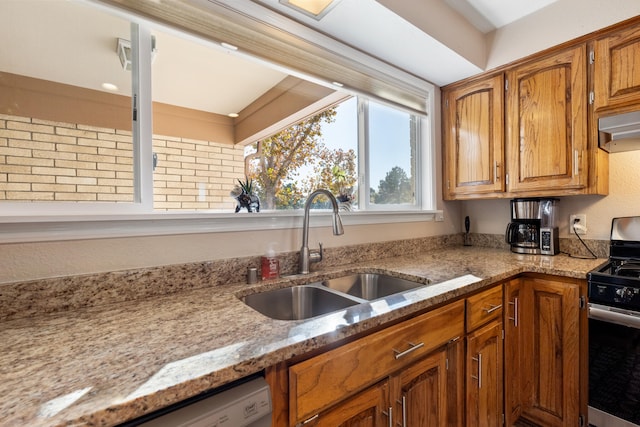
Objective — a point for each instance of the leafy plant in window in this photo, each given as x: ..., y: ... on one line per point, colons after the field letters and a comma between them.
x: 292, y: 163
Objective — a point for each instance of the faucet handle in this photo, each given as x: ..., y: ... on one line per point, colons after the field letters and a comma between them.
x: 315, y: 255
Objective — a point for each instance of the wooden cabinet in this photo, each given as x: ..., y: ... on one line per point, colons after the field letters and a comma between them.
x: 546, y: 122
x: 551, y: 340
x: 484, y: 373
x: 513, y: 351
x: 369, y: 408
x: 546, y: 148
x: 411, y: 355
x: 474, y: 138
x: 616, y: 77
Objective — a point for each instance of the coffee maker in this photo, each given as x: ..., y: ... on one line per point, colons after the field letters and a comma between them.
x: 533, y: 228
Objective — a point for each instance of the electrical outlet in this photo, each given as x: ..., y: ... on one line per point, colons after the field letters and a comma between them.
x: 580, y: 226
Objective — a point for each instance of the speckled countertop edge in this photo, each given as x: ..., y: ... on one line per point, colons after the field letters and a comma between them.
x: 107, y: 364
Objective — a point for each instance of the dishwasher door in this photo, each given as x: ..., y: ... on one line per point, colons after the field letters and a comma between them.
x: 245, y: 405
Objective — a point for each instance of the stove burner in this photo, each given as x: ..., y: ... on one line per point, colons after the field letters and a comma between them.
x: 628, y: 269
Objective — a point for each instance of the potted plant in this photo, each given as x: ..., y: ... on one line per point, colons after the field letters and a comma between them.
x: 243, y: 193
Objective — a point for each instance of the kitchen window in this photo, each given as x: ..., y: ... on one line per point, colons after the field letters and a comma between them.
x: 182, y: 155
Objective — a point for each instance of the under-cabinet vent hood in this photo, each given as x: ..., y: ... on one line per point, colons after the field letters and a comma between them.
x: 620, y: 132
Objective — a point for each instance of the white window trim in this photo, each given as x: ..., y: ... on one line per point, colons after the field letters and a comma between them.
x: 56, y: 228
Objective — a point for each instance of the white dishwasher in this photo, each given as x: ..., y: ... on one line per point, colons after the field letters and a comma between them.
x: 246, y: 404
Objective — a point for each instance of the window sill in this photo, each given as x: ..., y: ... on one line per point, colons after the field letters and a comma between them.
x: 56, y: 228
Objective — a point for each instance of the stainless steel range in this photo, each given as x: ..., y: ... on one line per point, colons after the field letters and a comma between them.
x: 614, y: 330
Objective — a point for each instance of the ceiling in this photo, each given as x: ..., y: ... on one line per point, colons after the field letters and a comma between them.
x: 73, y: 42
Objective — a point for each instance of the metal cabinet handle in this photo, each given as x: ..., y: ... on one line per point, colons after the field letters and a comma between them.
x: 492, y: 308
x: 515, y: 311
x: 404, y: 411
x: 479, y: 377
x: 496, y: 167
x: 305, y: 422
x: 389, y: 415
x: 576, y: 162
x: 414, y: 347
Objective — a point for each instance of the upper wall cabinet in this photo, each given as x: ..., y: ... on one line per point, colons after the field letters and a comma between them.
x: 541, y: 133
x: 473, y: 134
x: 546, y: 138
x: 617, y: 69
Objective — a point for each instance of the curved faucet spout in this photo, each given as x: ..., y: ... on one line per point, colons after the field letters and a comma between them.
x: 307, y: 256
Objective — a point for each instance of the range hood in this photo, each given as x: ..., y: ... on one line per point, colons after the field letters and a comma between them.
x: 620, y: 132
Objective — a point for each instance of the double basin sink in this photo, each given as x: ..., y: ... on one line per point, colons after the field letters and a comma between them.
x: 323, y: 297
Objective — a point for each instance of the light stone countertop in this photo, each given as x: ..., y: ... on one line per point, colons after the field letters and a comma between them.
x: 100, y: 366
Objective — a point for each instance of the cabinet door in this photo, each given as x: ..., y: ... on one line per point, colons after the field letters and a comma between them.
x: 552, y: 355
x: 617, y: 69
x: 513, y: 351
x: 473, y: 138
x: 484, y: 377
x: 546, y: 137
x: 422, y: 398
x: 368, y: 408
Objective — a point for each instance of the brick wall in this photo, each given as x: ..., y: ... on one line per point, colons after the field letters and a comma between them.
x: 52, y: 161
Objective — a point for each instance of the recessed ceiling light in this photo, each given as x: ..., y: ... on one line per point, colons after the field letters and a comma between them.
x: 109, y: 86
x: 313, y: 8
x: 234, y: 115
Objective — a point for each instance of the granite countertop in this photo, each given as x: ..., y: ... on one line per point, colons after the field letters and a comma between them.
x: 108, y: 364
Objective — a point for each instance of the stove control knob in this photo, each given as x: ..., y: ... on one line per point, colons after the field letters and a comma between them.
x: 625, y: 294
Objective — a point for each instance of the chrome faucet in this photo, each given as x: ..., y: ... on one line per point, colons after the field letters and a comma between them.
x: 308, y: 256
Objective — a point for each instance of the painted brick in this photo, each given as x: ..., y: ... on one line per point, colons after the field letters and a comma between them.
x: 95, y: 128
x: 102, y: 189
x: 76, y: 149
x: 56, y: 188
x: 15, y: 186
x: 29, y: 127
x: 75, y: 164
x: 113, y: 137
x: 32, y: 178
x: 14, y: 118
x: 14, y: 134
x: 53, y: 171
x: 18, y: 195
x: 76, y: 180
x: 28, y: 161
x: 20, y: 152
x: 32, y: 145
x: 80, y: 133
x: 115, y: 198
x: 96, y: 143
x: 13, y: 169
x: 75, y: 197
x: 45, y: 137
x: 56, y: 155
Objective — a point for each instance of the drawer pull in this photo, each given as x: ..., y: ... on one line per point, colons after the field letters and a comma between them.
x: 304, y: 423
x: 515, y: 311
x: 389, y: 415
x: 479, y: 377
x: 492, y: 308
x: 414, y: 347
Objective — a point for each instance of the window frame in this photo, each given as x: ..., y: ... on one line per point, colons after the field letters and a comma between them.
x: 53, y: 221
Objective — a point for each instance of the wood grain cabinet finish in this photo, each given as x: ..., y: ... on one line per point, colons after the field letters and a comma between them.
x: 616, y: 59
x: 546, y: 354
x: 484, y: 361
x: 325, y: 380
x: 546, y: 137
x: 474, y: 138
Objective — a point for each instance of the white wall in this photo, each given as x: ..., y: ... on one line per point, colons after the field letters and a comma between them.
x: 491, y: 216
x: 559, y: 22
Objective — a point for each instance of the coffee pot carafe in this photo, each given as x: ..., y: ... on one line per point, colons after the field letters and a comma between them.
x: 533, y: 229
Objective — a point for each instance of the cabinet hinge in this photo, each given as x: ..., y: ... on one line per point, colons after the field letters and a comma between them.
x: 592, y: 57
x: 503, y: 419
x: 506, y: 84
x: 592, y: 97
x: 583, y: 302
x: 446, y: 103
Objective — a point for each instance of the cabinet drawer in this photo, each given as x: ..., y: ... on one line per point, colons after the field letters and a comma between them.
x: 484, y: 307
x: 324, y: 380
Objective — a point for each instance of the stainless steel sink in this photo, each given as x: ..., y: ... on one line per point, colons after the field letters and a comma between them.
x: 297, y: 302
x: 370, y: 286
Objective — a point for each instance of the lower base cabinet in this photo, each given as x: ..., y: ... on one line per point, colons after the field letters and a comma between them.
x: 454, y: 366
x: 546, y: 351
